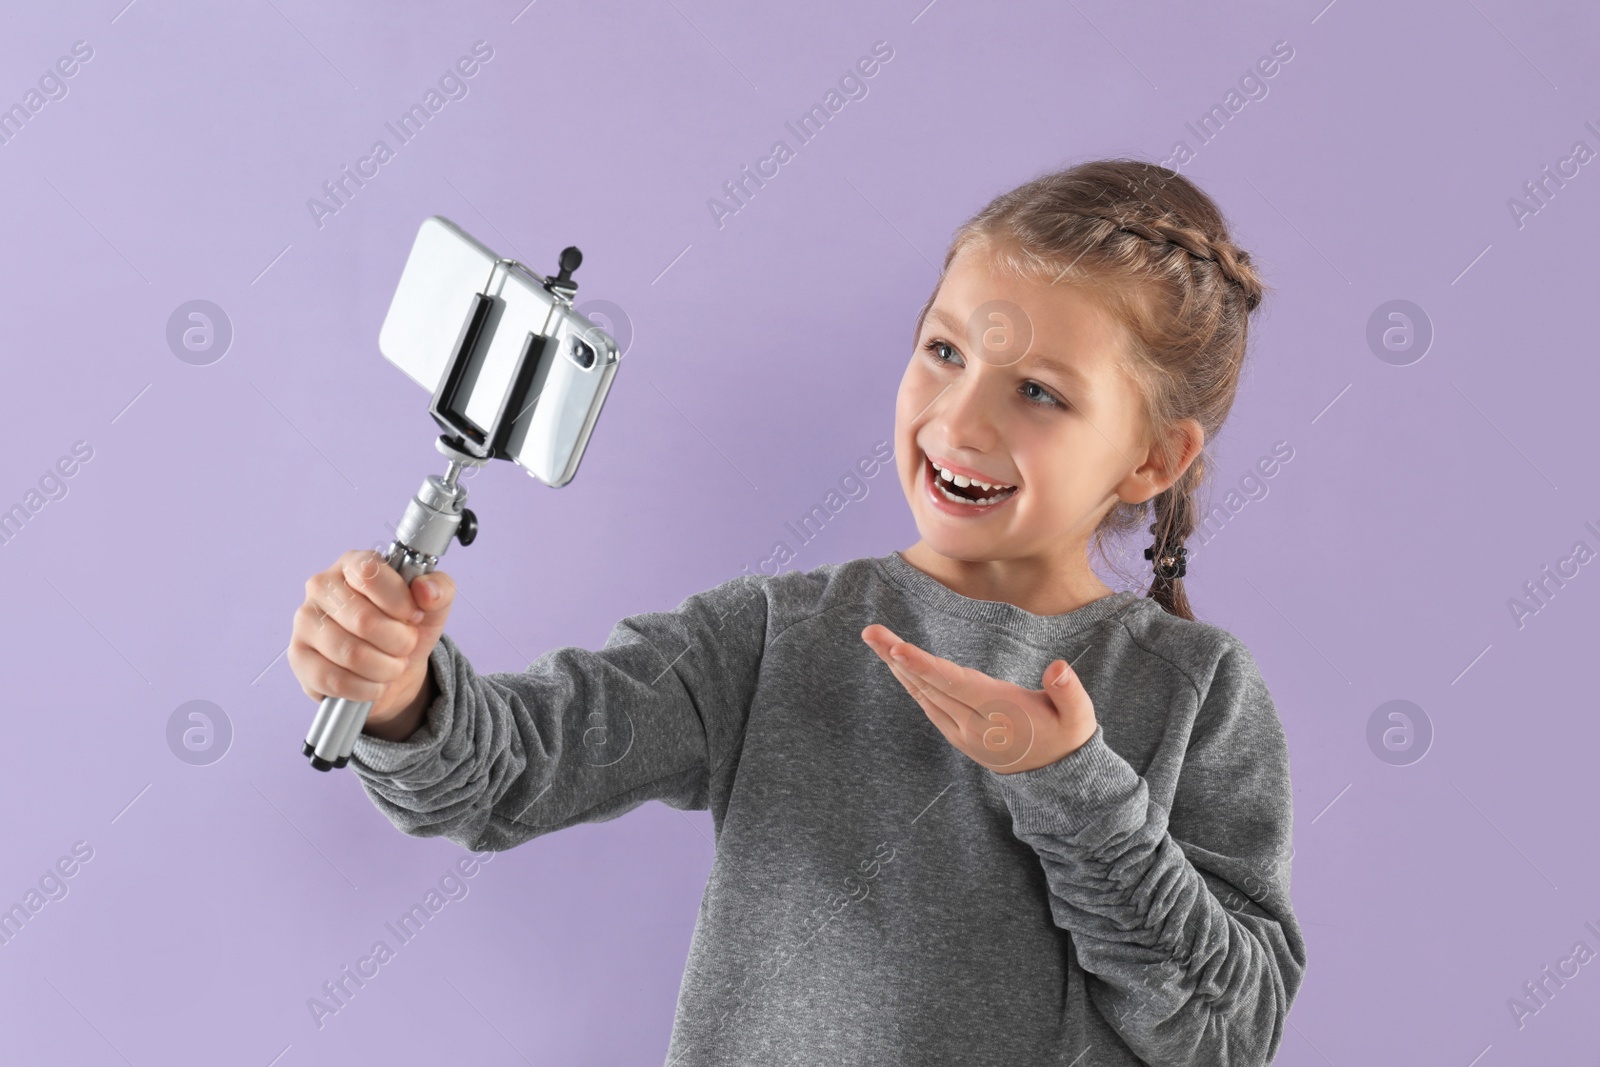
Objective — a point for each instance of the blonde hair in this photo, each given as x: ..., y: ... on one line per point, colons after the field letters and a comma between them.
x: 1156, y: 251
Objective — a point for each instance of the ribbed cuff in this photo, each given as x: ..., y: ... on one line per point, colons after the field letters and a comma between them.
x: 1064, y: 797
x: 377, y: 757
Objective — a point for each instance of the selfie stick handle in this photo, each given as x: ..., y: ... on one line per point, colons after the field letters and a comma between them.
x: 436, y: 514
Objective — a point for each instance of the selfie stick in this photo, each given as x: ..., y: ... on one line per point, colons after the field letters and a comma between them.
x: 437, y: 512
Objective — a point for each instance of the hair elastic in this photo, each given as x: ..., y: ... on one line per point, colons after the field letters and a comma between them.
x: 1171, y: 563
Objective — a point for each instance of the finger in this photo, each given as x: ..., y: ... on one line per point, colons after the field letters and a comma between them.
x: 912, y: 686
x: 941, y: 720
x: 879, y: 636
x: 942, y: 674
x: 997, y: 734
x: 943, y: 683
x: 959, y: 715
x: 332, y: 596
x: 886, y: 643
x: 367, y: 573
x: 352, y: 651
x: 327, y: 678
x: 950, y: 710
x: 927, y: 698
x: 359, y: 616
x: 969, y: 702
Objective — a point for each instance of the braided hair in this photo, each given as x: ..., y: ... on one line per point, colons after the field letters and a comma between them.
x: 1157, y: 252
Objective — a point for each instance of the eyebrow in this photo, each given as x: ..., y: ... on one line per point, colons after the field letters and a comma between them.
x: 1039, y: 359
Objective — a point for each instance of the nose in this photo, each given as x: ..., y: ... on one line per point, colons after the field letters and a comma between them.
x: 968, y: 412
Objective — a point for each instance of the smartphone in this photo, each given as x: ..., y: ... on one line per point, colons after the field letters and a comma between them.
x: 525, y: 341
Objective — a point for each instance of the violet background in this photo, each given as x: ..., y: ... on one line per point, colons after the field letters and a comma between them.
x: 1378, y: 565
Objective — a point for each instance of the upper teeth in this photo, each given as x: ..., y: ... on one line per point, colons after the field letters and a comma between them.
x: 963, y: 481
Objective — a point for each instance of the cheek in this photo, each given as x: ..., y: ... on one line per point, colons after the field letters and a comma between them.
x: 919, y: 385
x: 904, y: 446
x: 1054, y: 481
x: 906, y: 405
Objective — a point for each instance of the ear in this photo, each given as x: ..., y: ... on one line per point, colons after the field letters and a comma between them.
x: 1152, y: 476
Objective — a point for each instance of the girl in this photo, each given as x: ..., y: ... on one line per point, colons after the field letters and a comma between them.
x: 1095, y: 871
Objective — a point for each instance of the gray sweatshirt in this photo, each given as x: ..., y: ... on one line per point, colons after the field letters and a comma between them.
x: 877, y: 896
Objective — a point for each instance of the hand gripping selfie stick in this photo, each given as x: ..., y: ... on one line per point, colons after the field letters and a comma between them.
x: 437, y: 512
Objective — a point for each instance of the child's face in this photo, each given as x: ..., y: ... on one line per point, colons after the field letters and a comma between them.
x: 983, y: 402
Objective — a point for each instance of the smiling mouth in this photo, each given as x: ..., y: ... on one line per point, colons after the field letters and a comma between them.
x: 969, y: 495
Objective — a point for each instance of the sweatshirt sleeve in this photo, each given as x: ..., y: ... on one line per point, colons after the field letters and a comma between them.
x: 1183, y: 916
x: 580, y: 736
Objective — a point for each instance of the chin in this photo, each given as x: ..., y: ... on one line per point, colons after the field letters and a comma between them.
x: 968, y: 547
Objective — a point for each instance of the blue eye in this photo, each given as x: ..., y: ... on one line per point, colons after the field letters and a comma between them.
x: 934, y: 346
x: 1049, y: 399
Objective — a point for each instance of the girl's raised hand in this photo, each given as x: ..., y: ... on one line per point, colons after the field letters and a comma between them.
x: 1001, y: 725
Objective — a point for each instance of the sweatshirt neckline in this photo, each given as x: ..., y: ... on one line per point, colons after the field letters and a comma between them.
x: 926, y: 587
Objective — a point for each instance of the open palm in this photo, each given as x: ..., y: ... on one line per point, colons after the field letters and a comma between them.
x: 999, y: 724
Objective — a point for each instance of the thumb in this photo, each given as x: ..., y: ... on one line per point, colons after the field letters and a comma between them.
x: 433, y: 593
x: 1062, y: 684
